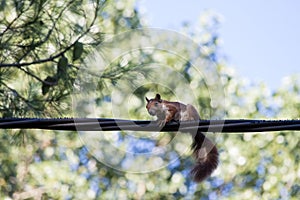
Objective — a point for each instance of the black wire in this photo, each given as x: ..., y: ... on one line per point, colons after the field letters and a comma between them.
x: 103, y: 124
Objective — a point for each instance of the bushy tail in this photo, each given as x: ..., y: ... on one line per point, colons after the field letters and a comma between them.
x: 206, y: 155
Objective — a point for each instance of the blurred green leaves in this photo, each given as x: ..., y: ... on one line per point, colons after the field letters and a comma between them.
x: 77, y: 50
x: 62, y: 66
x: 47, y: 83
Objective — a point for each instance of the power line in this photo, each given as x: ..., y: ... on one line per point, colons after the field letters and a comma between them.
x: 104, y: 124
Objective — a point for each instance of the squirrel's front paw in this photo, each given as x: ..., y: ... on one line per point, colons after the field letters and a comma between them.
x: 161, y: 123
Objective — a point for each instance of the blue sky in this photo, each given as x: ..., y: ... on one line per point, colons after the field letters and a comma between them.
x: 261, y: 37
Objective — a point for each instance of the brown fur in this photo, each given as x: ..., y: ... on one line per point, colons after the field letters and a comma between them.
x: 204, y: 151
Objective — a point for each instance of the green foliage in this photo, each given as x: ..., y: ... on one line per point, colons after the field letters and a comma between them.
x: 77, y: 50
x: 44, y: 45
x: 62, y: 67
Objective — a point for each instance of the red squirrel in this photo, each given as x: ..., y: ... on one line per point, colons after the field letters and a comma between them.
x: 204, y: 150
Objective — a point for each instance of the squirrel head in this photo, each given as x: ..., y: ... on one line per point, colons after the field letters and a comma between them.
x: 154, y: 106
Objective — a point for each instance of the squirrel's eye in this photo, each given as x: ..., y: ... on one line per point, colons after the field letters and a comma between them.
x: 155, y: 103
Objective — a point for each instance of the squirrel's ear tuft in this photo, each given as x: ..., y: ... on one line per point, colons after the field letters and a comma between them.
x: 157, y: 97
x: 147, y: 99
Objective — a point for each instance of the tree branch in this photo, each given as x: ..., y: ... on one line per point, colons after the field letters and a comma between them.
x: 52, y: 58
x: 19, y: 96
